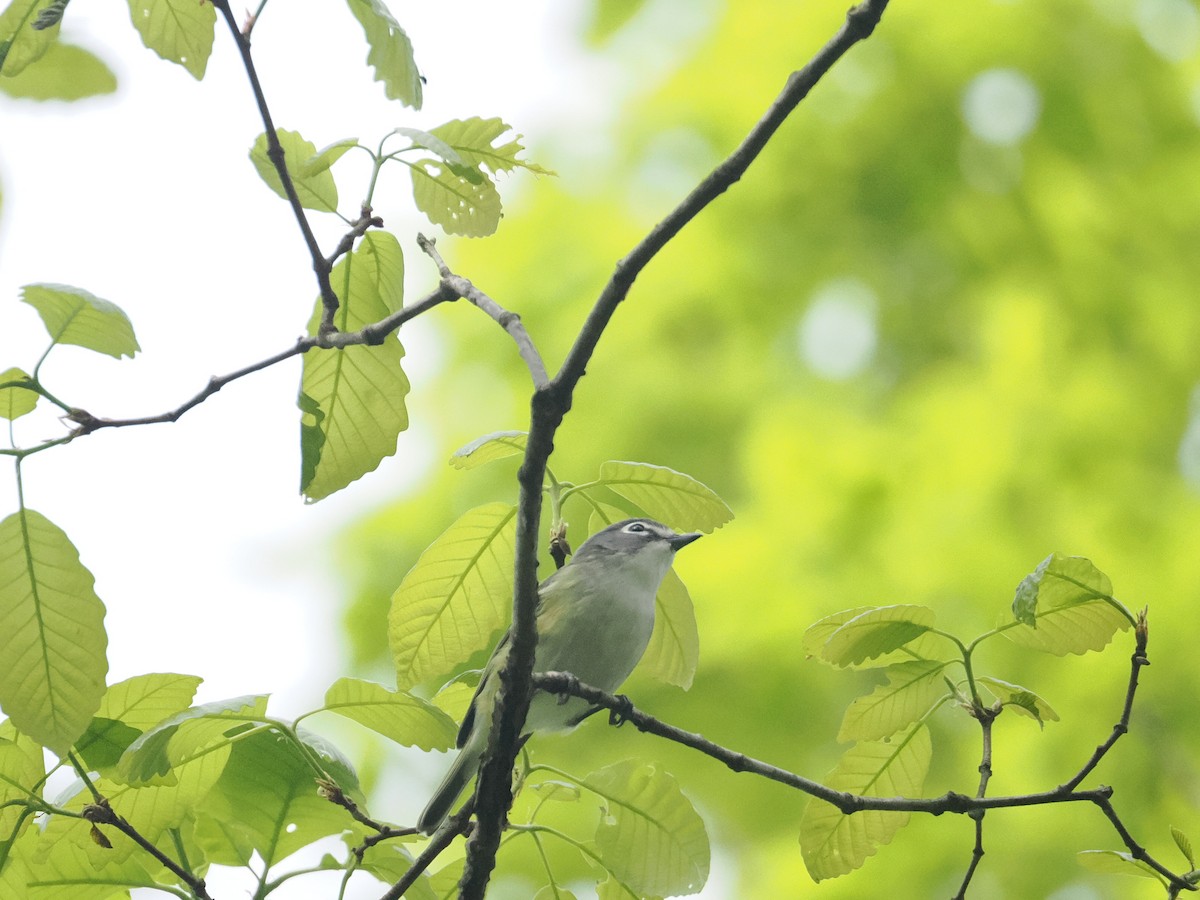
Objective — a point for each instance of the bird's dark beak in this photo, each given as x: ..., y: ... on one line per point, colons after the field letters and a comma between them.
x: 682, y: 540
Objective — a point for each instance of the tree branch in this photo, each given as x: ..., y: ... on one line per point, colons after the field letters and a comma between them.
x: 551, y: 402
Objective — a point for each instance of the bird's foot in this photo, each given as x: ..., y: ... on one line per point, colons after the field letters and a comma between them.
x: 618, y: 717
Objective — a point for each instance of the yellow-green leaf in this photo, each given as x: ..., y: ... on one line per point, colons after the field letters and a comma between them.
x: 834, y: 843
x: 75, y: 316
x: 812, y: 643
x: 1089, y: 625
x: 876, y: 631
x: 1060, y: 581
x: 650, y: 836
x: 1022, y: 700
x: 391, y: 53
x: 397, y: 715
x: 180, y: 31
x: 52, y: 637
x: 21, y: 43
x: 458, y: 595
x: 460, y: 199
x: 64, y: 72
x: 489, y: 448
x: 675, y: 499
x: 474, y: 142
x: 1113, y: 862
x: 352, y: 399
x: 309, y: 170
x: 912, y: 688
x: 16, y: 401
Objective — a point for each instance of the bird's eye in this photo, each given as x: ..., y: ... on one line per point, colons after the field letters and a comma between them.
x: 636, y: 528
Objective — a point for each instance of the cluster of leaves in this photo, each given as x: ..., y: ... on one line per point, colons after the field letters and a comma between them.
x: 1065, y: 606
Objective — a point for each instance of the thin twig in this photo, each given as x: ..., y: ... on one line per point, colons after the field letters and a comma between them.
x: 442, y: 838
x: 986, y: 718
x: 509, y: 321
x: 548, y: 407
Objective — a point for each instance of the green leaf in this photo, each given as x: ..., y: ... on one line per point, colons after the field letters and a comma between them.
x: 74, y: 316
x: 1112, y: 862
x: 558, y: 791
x: 16, y: 401
x: 52, y: 637
x: 397, y: 715
x: 876, y: 631
x: 1022, y: 700
x: 460, y: 200
x: 554, y: 892
x: 104, y: 741
x: 474, y: 140
x: 66, y: 867
x: 64, y: 72
x: 326, y: 157
x: 352, y: 399
x: 180, y: 31
x: 188, y: 734
x: 129, y: 708
x: 912, y: 688
x: 1061, y: 581
x: 1184, y: 843
x: 21, y: 43
x: 458, y: 595
x: 21, y: 769
x: 673, y: 498
x: 388, y: 862
x: 650, y: 836
x: 674, y: 649
x: 429, y: 141
x: 309, y: 170
x: 391, y: 54
x: 812, y: 644
x: 268, y: 792
x: 1071, y: 629
x: 834, y: 843
x: 489, y: 448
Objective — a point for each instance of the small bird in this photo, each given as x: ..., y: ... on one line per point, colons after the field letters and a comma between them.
x: 594, y: 619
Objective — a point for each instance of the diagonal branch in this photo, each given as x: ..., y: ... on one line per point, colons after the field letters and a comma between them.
x: 548, y: 407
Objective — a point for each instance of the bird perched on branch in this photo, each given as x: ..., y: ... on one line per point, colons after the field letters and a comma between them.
x: 594, y: 620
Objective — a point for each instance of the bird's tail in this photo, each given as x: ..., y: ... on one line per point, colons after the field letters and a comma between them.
x: 460, y: 775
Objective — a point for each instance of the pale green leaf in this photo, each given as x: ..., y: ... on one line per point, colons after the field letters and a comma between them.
x: 912, y: 688
x: 455, y: 697
x: 74, y: 316
x: 460, y: 199
x: 397, y: 715
x: 474, y: 140
x: 559, y: 791
x: 68, y: 867
x: 309, y: 170
x: 16, y: 401
x: 391, y: 53
x: 674, y: 649
x: 180, y: 31
x: 388, y: 861
x: 21, y: 43
x: 554, y: 892
x: 458, y: 595
x: 269, y: 791
x: 64, y: 72
x: 1061, y: 581
x: 1184, y: 843
x: 834, y: 843
x: 52, y: 637
x: 1022, y: 700
x: 428, y: 141
x: 22, y: 766
x: 876, y: 631
x: 650, y: 836
x: 1113, y: 862
x: 326, y: 157
x: 675, y: 499
x: 1077, y: 629
x: 812, y: 643
x: 489, y: 448
x: 187, y: 735
x: 145, y: 700
x: 612, y: 889
x: 352, y: 399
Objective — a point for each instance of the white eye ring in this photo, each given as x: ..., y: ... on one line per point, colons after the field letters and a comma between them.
x: 635, y: 528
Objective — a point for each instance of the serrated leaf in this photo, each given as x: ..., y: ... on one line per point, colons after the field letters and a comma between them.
x: 391, y: 53
x: 927, y: 646
x: 912, y: 688
x: 52, y: 637
x: 397, y: 715
x: 180, y: 31
x: 460, y: 200
x: 74, y: 316
x: 187, y: 734
x: 674, y: 649
x: 428, y: 141
x: 64, y: 72
x: 1061, y: 581
x: 1112, y: 862
x: 650, y: 836
x: 16, y: 401
x: 458, y: 595
x: 309, y: 170
x: 474, y: 140
x: 352, y: 399
x: 269, y: 792
x: 876, y: 631
x: 1071, y: 629
x: 834, y: 843
x: 21, y: 43
x: 1022, y: 700
x: 489, y: 448
x: 675, y: 499
x: 1184, y: 843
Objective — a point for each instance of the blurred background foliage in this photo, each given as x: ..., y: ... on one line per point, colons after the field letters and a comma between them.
x: 946, y: 325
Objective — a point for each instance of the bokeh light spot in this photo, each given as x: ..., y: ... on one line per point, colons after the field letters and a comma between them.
x: 1001, y: 106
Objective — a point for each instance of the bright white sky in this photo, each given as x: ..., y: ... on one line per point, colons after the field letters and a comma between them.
x: 205, y: 556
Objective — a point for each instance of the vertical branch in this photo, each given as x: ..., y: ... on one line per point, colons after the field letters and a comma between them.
x: 986, y: 717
